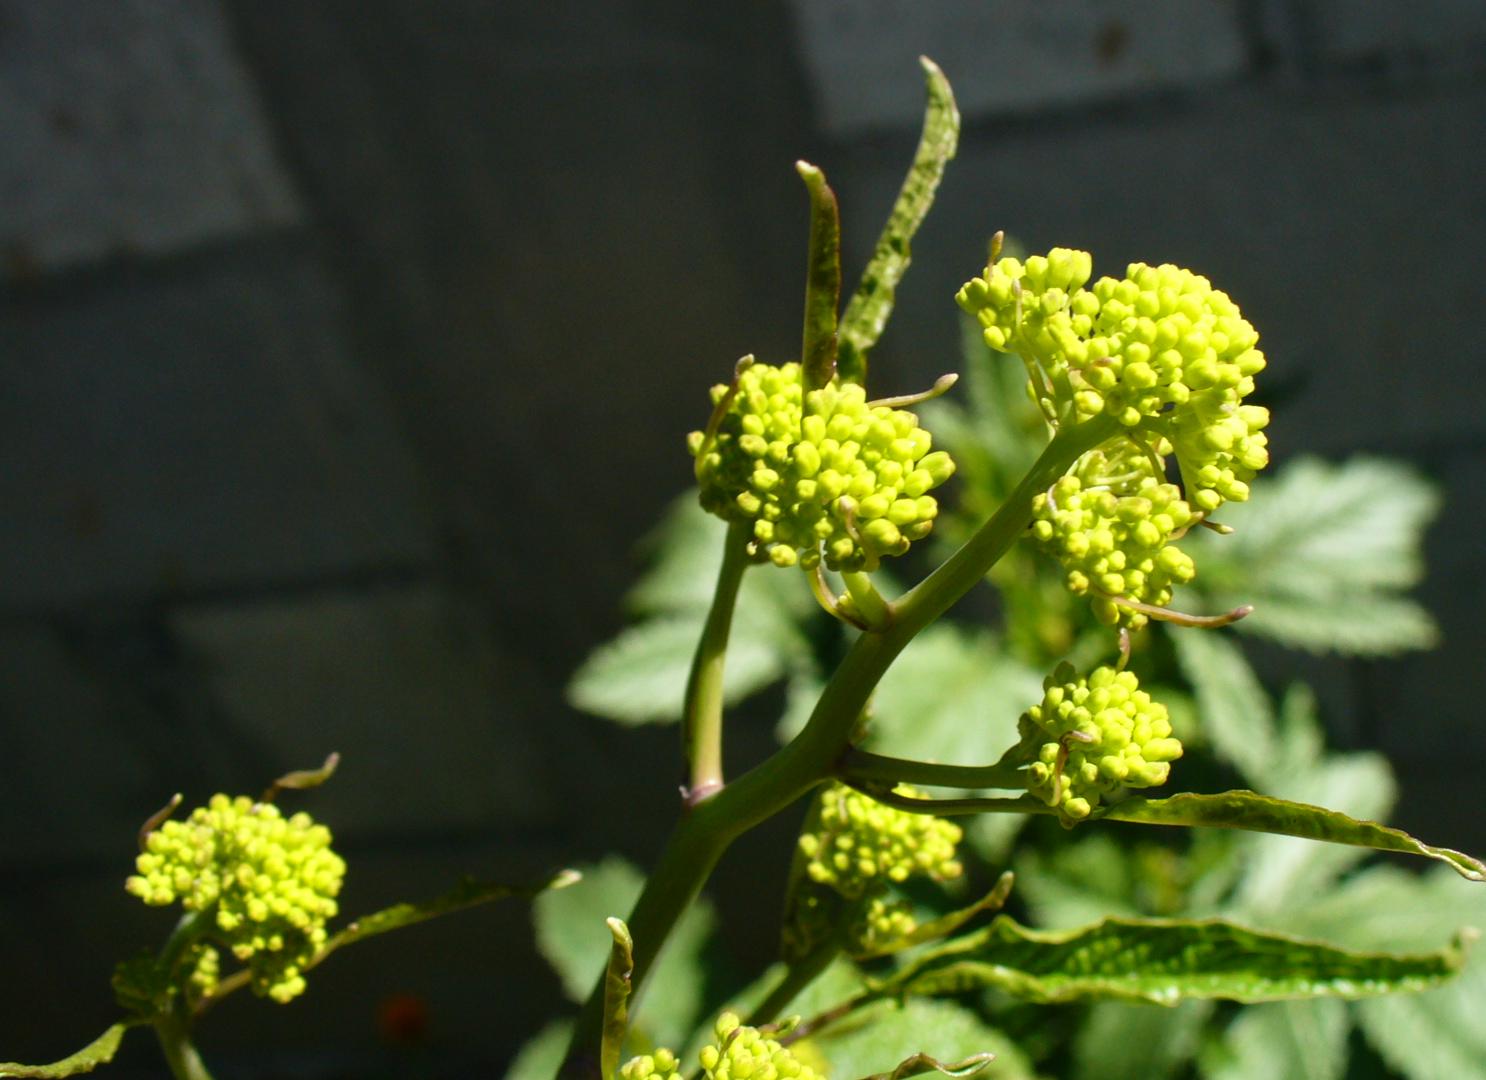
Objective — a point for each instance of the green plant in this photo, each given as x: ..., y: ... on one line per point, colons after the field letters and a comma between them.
x: 895, y: 950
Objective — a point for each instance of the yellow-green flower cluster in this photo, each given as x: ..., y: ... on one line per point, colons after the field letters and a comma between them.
x: 851, y: 853
x: 661, y: 1065
x: 859, y: 843
x: 1160, y: 350
x: 818, y: 475
x: 1089, y: 737
x: 271, y: 882
x: 1110, y: 523
x: 739, y: 1052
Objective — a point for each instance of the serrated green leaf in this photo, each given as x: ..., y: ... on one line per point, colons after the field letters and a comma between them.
x: 1387, y: 907
x: 1284, y: 871
x: 683, y: 553
x: 98, y: 1052
x: 1433, y: 1035
x: 572, y: 935
x: 888, y: 1032
x: 1162, y: 961
x: 953, y: 696
x: 1235, y: 713
x: 540, y: 1056
x: 1078, y: 883
x: 640, y: 676
x: 870, y: 305
x: 1252, y: 812
x: 1121, y: 1041
x: 1289, y: 1040
x: 1322, y: 552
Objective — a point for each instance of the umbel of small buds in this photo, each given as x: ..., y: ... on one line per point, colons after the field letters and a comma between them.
x: 857, y: 848
x: 1160, y: 350
x: 1089, y: 737
x: 269, y: 881
x: 739, y: 1053
x: 819, y: 475
x: 1111, y: 522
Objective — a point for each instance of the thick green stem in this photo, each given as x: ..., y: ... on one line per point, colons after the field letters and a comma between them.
x: 175, y: 1041
x: 796, y: 977
x: 701, y: 718
x: 861, y: 765
x: 707, y: 829
x: 876, y: 612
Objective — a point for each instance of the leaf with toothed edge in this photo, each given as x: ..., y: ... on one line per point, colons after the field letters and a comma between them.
x: 872, y: 302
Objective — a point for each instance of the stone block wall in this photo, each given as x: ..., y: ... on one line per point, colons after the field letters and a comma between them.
x: 347, y: 349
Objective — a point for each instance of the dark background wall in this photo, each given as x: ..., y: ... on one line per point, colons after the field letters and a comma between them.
x: 347, y: 347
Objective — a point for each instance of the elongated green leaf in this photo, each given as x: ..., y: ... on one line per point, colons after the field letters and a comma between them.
x: 822, y: 279
x: 1286, y: 1040
x: 1261, y: 813
x: 468, y: 893
x: 640, y: 676
x: 1322, y: 553
x: 616, y: 995
x: 868, y: 310
x: 1235, y: 714
x: 1163, y: 961
x: 98, y: 1052
x: 1123, y: 1041
x: 571, y: 935
x: 921, y: 1063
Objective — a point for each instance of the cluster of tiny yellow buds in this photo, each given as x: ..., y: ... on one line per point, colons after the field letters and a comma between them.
x: 1089, y: 737
x: 661, y: 1065
x: 1160, y: 350
x: 745, y: 1053
x: 206, y: 968
x: 824, y: 474
x: 271, y: 880
x: 861, y: 844
x: 1113, y: 535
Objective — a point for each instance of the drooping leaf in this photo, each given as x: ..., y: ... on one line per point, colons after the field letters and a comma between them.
x: 888, y: 1032
x: 616, y: 995
x: 872, y: 302
x: 541, y: 1055
x: 640, y: 676
x: 1123, y: 1041
x: 822, y: 280
x: 571, y: 934
x: 1323, y: 552
x: 1286, y: 1040
x: 98, y: 1052
x: 1262, y: 813
x: 953, y: 696
x: 1162, y: 961
x: 1234, y: 711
